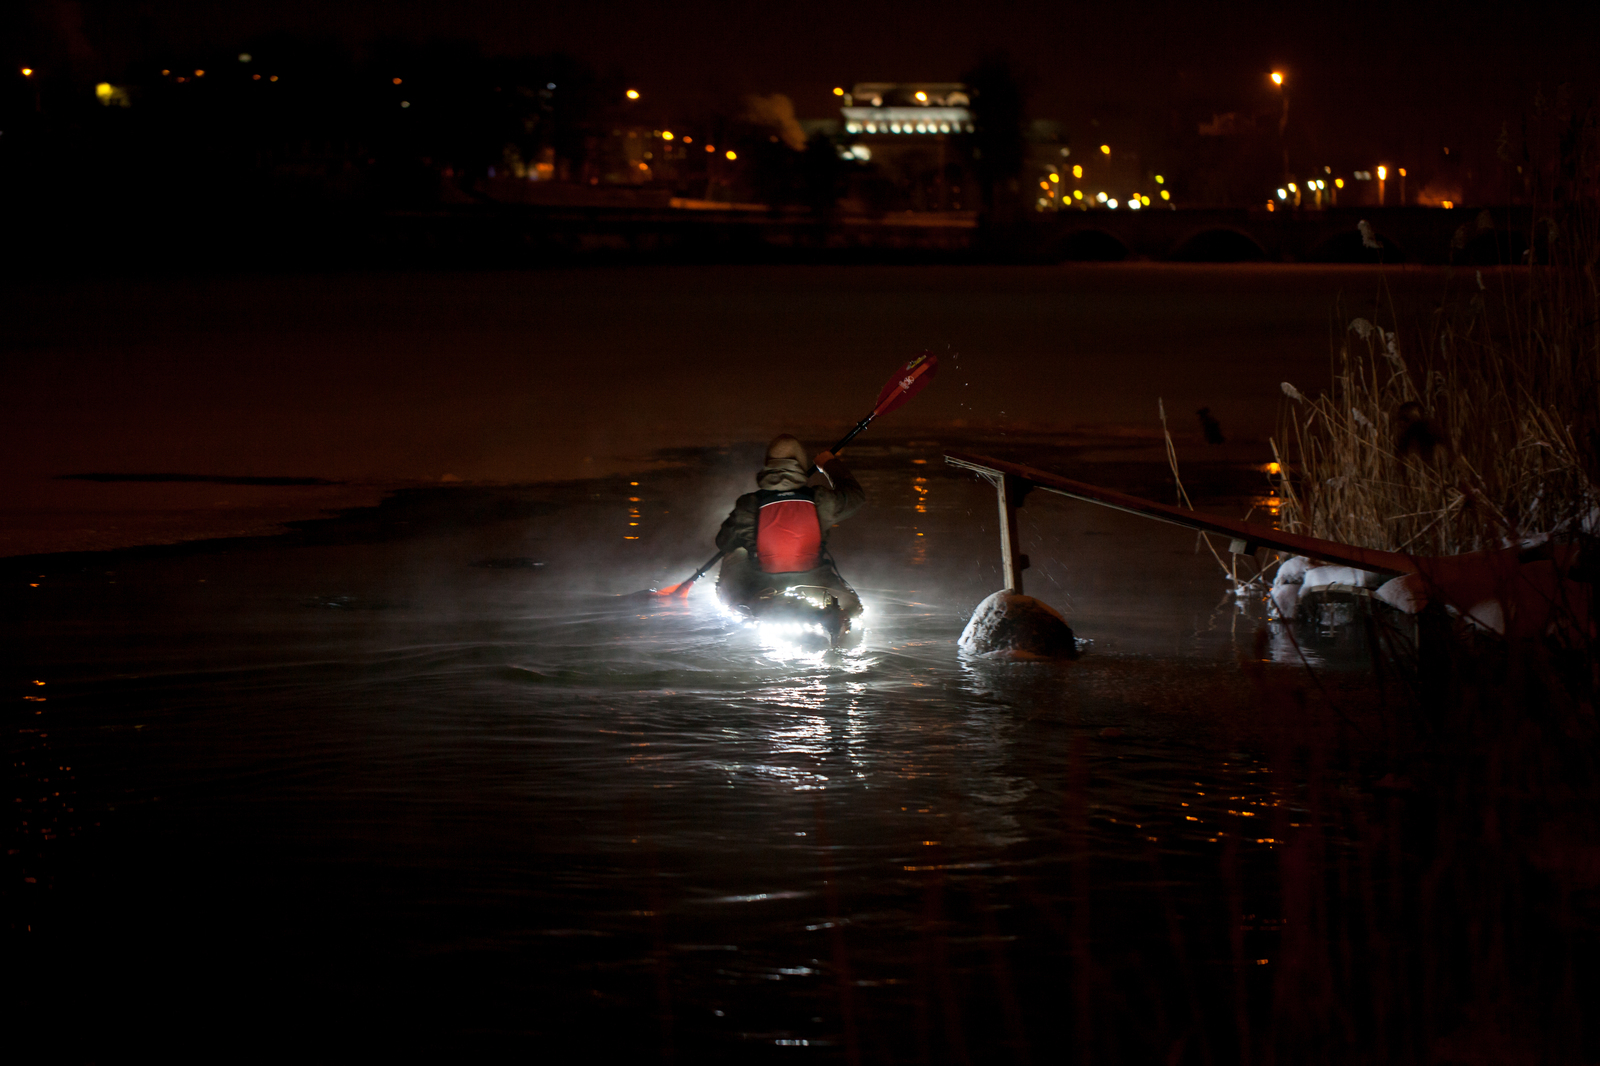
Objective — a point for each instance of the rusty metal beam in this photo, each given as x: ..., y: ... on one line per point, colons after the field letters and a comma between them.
x: 1251, y: 534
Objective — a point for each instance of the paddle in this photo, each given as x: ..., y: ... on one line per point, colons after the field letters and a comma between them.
x: 908, y: 380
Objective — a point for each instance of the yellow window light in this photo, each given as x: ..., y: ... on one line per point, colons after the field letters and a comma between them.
x: 1160, y: 180
x: 1165, y: 195
x: 731, y: 154
x: 1077, y: 171
x: 1105, y: 149
x: 1054, y: 177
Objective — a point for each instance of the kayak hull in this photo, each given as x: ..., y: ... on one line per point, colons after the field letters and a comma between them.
x: 807, y: 606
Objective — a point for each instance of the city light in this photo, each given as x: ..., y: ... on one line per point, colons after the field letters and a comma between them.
x: 1105, y: 149
x: 1383, y: 172
x: 838, y: 91
x: 687, y: 139
x: 1054, y: 177
x: 103, y: 91
x: 199, y: 73
x: 711, y: 148
x: 395, y: 80
x: 1143, y: 199
x: 1338, y: 183
x: 1277, y: 77
x: 27, y: 72
x: 731, y: 154
x: 1283, y: 194
x: 1401, y: 172
x: 1100, y: 196
x: 1077, y: 194
x: 922, y: 97
x: 245, y: 57
x: 666, y: 135
x: 1134, y: 204
x: 1447, y: 204
x: 633, y: 94
x: 1077, y: 172
x: 1292, y: 187
x: 1160, y: 180
x: 1165, y: 195
x: 1111, y: 204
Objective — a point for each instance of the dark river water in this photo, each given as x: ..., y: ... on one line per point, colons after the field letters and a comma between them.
x: 392, y: 777
x: 435, y: 778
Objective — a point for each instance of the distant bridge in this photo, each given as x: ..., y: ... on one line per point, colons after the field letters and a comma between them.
x: 1405, y: 234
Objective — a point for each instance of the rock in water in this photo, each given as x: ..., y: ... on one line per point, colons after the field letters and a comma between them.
x: 1009, y: 625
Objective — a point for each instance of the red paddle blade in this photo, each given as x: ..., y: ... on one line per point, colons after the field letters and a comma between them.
x: 912, y: 379
x: 680, y: 589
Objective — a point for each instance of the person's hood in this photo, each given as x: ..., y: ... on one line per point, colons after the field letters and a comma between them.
x: 781, y: 475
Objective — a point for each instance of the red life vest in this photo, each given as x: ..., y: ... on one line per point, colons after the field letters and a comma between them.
x: 788, y: 534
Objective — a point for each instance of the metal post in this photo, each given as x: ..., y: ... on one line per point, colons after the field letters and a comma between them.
x: 1011, y: 491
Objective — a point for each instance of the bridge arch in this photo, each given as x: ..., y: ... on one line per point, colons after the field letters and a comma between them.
x: 1217, y: 244
x: 1086, y: 244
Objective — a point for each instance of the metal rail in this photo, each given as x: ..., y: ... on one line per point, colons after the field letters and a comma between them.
x: 1013, y: 482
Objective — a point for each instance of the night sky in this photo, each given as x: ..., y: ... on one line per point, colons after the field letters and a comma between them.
x: 1365, y: 78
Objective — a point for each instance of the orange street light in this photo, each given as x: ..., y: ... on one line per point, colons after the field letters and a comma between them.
x: 633, y: 94
x: 1277, y: 77
x: 27, y: 72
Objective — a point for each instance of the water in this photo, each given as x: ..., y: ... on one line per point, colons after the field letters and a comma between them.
x: 412, y: 785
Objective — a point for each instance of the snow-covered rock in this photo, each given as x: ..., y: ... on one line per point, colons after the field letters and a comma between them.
x: 1009, y: 625
x: 1407, y: 593
x: 1291, y: 571
x: 1286, y: 600
x: 1317, y: 576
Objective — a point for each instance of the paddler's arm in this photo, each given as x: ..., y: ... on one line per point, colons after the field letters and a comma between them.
x: 739, y: 528
x: 844, y: 495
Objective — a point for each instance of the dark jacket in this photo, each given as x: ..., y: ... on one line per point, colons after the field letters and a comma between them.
x: 835, y: 502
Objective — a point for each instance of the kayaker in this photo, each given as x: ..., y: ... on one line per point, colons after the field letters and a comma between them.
x: 777, y: 537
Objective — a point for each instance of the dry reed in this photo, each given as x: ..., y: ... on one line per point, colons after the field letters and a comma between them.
x: 1483, y: 427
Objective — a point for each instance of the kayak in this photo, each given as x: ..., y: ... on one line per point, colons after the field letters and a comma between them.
x: 810, y: 607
